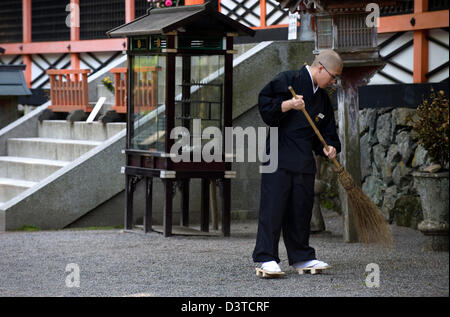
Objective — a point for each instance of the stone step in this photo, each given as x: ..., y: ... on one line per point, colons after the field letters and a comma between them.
x: 79, y: 130
x: 49, y: 149
x: 29, y: 169
x: 9, y: 188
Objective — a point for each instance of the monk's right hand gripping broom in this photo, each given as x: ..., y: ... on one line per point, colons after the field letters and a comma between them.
x: 370, y: 223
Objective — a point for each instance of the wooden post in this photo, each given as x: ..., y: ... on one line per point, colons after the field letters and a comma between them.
x: 75, y: 31
x: 167, y: 218
x: 129, y: 10
x: 154, y: 88
x: 213, y: 207
x: 129, y: 194
x: 130, y: 103
x: 117, y: 89
x: 420, y: 46
x: 228, y: 90
x: 148, y: 204
x: 226, y: 206
x: 350, y: 156
x: 26, y: 38
x: 262, y: 15
x: 227, y: 122
x: 184, y: 221
x: 204, y: 206
x: 85, y: 90
x: 170, y: 94
x: 348, y: 108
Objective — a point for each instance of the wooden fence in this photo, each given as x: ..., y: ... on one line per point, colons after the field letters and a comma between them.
x: 145, y: 89
x: 69, y: 90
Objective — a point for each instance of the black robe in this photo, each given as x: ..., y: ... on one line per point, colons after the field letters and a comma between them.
x: 296, y: 138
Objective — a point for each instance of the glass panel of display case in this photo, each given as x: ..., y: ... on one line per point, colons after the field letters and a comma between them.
x: 148, y: 97
x: 199, y: 94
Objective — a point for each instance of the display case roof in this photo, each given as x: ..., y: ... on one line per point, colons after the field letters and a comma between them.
x: 193, y: 19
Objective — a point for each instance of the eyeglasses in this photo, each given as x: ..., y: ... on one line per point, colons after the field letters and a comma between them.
x: 335, y: 77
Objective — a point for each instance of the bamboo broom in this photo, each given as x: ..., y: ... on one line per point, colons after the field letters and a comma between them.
x: 370, y: 224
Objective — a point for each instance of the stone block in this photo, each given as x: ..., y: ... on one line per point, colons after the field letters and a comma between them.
x: 406, y: 146
x: 393, y: 155
x: 366, y: 156
x: 386, y: 173
x: 401, y: 115
x: 390, y: 196
x: 373, y: 187
x: 401, y: 175
x: 420, y: 156
x: 372, y: 124
x: 385, y: 129
x: 379, y: 155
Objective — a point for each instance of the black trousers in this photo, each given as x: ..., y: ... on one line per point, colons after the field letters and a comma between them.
x: 286, y: 204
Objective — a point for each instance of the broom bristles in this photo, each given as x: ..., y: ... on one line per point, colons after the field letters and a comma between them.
x: 370, y: 223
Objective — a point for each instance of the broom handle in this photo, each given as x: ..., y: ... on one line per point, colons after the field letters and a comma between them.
x: 319, y: 135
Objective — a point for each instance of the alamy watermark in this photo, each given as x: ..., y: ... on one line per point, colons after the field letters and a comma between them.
x: 373, y: 276
x: 212, y: 151
x: 73, y: 278
x: 73, y: 18
x: 372, y: 18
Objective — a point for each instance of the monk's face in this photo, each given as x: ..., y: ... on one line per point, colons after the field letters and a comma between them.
x: 327, y: 77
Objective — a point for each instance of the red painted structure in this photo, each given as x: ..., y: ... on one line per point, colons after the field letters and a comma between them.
x: 75, y: 46
x: 145, y: 90
x: 69, y: 90
x: 420, y: 22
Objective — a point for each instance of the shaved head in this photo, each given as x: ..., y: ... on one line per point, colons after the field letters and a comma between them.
x: 330, y: 59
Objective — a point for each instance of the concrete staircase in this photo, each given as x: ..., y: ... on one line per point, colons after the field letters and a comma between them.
x: 31, y: 160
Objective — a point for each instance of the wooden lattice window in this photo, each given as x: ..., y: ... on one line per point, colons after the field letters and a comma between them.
x: 344, y: 31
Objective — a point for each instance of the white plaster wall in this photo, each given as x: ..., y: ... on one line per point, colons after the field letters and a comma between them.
x: 437, y: 55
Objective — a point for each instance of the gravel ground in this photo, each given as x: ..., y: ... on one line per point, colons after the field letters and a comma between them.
x: 117, y: 263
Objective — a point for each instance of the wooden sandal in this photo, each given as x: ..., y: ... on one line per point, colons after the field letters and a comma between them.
x: 268, y: 274
x: 313, y: 270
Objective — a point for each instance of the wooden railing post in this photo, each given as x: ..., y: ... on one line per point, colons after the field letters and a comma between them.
x: 154, y: 87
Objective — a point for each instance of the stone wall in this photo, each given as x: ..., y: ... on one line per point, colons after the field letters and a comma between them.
x: 389, y: 155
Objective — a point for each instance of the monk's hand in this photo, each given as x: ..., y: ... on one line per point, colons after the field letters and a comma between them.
x: 295, y: 103
x: 331, y: 153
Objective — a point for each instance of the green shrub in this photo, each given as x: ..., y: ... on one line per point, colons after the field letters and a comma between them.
x: 432, y: 126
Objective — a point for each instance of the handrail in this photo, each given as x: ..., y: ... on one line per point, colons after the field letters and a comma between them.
x: 67, y: 71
